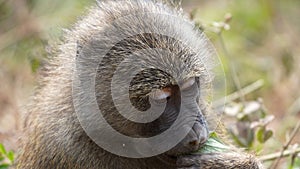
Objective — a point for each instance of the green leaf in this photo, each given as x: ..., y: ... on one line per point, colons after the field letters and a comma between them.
x: 4, y: 166
x: 35, y: 64
x: 263, y: 135
x: 10, y: 156
x: 260, y: 134
x: 2, y: 149
x: 268, y: 134
x: 213, y: 144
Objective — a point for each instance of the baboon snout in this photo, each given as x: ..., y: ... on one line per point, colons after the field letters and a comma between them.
x: 196, y: 137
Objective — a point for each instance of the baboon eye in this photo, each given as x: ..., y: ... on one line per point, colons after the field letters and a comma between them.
x: 188, y: 83
x: 160, y: 94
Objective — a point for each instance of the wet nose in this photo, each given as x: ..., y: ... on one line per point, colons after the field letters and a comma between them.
x: 196, y: 137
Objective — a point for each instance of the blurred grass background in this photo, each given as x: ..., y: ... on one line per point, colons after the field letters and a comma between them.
x: 263, y: 42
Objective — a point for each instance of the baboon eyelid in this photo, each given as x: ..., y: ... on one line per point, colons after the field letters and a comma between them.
x: 188, y: 83
x: 159, y: 94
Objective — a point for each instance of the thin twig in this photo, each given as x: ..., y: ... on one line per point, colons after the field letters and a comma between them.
x: 295, y: 131
x: 273, y: 156
x: 246, y: 90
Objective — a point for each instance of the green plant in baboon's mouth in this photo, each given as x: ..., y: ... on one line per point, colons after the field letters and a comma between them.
x: 212, y: 145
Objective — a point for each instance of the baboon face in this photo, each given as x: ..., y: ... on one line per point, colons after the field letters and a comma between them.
x: 181, y: 98
x: 152, y: 90
x: 170, y: 101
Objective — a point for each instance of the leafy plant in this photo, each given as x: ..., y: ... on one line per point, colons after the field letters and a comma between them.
x: 6, y: 157
x: 213, y: 144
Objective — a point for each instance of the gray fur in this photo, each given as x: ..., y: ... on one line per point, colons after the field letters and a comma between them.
x: 53, y: 136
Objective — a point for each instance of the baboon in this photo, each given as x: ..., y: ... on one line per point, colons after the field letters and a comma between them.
x: 117, y: 38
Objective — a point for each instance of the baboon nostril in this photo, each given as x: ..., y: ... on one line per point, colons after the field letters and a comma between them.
x: 196, y: 137
x: 194, y: 143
